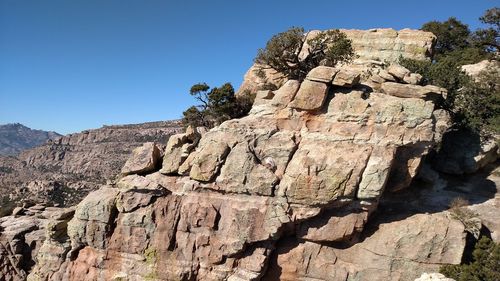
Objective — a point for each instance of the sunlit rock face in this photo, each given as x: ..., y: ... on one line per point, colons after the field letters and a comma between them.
x: 318, y: 182
x: 384, y: 45
x: 283, y: 193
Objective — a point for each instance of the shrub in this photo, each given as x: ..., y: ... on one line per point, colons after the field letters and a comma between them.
x: 467, y: 217
x: 484, y: 267
x: 489, y: 38
x: 451, y: 35
x: 282, y: 51
x: 473, y: 103
x: 216, y: 105
x: 477, y: 104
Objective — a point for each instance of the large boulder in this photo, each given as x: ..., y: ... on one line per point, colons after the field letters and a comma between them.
x: 412, y: 91
x: 143, y: 160
x: 398, y: 250
x: 311, y: 95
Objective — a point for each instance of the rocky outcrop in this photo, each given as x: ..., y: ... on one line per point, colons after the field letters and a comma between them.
x: 65, y: 169
x: 325, y: 179
x: 463, y: 152
x: 287, y: 192
x: 474, y: 70
x: 384, y: 45
x: 22, y: 235
x: 395, y: 251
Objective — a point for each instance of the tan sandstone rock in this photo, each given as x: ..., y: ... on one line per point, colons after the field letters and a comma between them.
x: 412, y: 91
x: 323, y: 74
x: 143, y: 160
x: 310, y: 96
x: 398, y: 250
x: 285, y: 193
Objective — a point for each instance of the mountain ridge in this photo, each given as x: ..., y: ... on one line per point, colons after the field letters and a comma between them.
x: 16, y: 137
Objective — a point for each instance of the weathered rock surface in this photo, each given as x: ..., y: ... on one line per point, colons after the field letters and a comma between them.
x: 286, y: 193
x: 303, y: 188
x: 21, y: 238
x: 144, y: 160
x: 311, y: 95
x: 474, y: 70
x: 398, y: 250
x: 383, y: 45
x: 412, y: 91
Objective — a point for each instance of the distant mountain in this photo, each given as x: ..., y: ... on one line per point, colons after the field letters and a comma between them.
x: 16, y: 137
x: 65, y: 169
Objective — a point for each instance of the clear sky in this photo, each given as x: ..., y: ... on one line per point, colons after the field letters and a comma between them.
x: 70, y: 65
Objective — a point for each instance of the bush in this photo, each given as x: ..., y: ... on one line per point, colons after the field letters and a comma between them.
x: 282, y: 52
x: 473, y: 103
x: 217, y: 105
x: 451, y: 35
x: 467, y: 217
x: 484, y: 267
x: 477, y: 104
x: 489, y: 38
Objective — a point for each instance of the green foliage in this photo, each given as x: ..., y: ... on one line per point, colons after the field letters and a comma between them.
x: 194, y: 117
x: 150, y: 256
x: 478, y: 103
x: 489, y: 38
x: 485, y: 265
x: 451, y: 35
x: 473, y: 104
x: 217, y: 105
x: 468, y: 218
x: 282, y: 51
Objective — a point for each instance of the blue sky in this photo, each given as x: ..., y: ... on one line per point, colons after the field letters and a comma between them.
x: 73, y: 65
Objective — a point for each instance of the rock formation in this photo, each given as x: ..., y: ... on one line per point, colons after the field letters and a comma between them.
x: 318, y: 182
x: 65, y: 169
x: 381, y: 44
x: 465, y: 153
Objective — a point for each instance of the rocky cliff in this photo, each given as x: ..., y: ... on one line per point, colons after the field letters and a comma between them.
x: 384, y: 45
x: 325, y: 179
x: 64, y: 169
x: 15, y: 138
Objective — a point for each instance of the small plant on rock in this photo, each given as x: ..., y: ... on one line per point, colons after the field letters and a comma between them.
x: 470, y: 220
x: 293, y: 55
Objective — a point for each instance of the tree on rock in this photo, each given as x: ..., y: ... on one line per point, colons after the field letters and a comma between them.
x: 284, y: 52
x: 216, y: 106
x: 451, y: 35
x: 489, y: 38
x: 473, y: 103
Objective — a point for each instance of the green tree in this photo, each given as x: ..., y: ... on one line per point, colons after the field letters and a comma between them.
x: 282, y: 51
x: 484, y: 267
x: 489, y: 38
x: 216, y: 105
x: 473, y: 103
x: 478, y: 103
x: 451, y: 35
